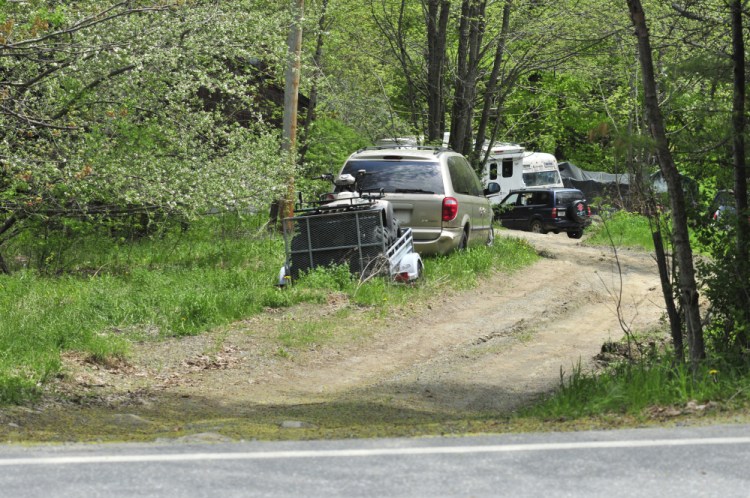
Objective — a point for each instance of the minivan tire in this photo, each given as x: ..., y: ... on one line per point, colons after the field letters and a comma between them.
x: 463, y: 243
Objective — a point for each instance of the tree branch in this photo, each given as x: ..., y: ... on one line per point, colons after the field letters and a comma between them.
x: 62, y: 112
x: 98, y: 18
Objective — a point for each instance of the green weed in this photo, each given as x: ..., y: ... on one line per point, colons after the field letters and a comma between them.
x: 107, y: 293
x: 631, y: 388
x: 623, y: 229
x: 461, y: 270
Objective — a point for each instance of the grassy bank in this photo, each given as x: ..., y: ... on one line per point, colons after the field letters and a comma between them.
x: 623, y: 229
x: 107, y: 293
x: 655, y: 385
x: 649, y: 388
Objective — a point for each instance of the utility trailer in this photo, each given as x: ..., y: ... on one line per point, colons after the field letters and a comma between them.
x: 359, y: 232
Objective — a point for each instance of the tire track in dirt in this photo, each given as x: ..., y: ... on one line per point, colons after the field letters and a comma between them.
x: 550, y: 328
x: 493, y: 348
x: 490, y: 349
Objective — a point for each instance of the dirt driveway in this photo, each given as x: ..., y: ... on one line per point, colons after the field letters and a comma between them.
x: 484, y: 351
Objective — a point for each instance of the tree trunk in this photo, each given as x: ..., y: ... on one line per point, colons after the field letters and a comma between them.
x: 675, y: 325
x: 740, y: 168
x: 317, y: 60
x: 683, y: 251
x: 490, y: 96
x: 9, y: 223
x: 437, y: 27
x: 471, y: 32
x: 291, y: 97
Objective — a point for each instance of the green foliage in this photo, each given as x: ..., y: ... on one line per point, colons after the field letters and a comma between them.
x: 330, y: 143
x: 335, y: 278
x: 464, y: 268
x: 728, y: 330
x: 560, y: 113
x: 176, y: 284
x: 631, y: 388
x: 134, y: 129
x: 183, y: 282
x: 110, y: 147
x: 623, y: 229
x: 53, y: 18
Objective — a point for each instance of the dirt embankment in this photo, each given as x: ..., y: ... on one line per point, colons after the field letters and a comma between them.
x: 488, y: 350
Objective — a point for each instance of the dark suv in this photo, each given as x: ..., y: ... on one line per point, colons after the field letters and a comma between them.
x: 545, y: 210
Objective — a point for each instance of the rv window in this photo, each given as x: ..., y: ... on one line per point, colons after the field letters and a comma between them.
x: 493, y: 171
x: 507, y: 168
x: 539, y: 178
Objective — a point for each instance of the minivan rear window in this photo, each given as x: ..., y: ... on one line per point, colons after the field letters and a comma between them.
x: 398, y: 176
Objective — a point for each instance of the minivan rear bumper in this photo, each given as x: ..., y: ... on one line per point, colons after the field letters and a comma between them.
x: 447, y: 240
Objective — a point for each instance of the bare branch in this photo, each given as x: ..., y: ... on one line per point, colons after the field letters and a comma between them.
x: 687, y: 14
x: 62, y: 112
x: 98, y: 18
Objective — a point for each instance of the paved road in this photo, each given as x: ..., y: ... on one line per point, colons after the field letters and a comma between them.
x: 684, y: 462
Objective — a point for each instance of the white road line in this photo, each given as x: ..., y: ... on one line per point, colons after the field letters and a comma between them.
x: 347, y: 453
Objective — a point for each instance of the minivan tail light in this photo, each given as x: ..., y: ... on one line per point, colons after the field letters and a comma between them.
x: 450, y: 208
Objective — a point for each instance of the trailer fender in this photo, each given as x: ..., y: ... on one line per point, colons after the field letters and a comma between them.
x: 409, y: 268
x: 282, y: 277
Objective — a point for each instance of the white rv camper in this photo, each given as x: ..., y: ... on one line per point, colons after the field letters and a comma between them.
x: 540, y: 170
x: 503, y: 170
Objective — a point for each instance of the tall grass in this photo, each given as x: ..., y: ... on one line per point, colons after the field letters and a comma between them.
x: 630, y: 388
x: 175, y: 284
x: 106, y: 293
x: 623, y: 229
x: 463, y: 269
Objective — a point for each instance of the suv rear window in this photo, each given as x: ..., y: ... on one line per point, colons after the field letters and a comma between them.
x: 566, y: 198
x: 398, y: 176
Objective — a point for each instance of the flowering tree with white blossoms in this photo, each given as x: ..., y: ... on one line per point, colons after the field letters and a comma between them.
x: 103, y: 109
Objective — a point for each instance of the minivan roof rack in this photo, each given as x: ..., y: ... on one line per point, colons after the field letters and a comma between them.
x: 436, y: 148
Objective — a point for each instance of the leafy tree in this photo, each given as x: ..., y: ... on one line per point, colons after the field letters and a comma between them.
x: 683, y: 254
x: 356, y: 81
x: 104, y: 109
x: 715, y: 146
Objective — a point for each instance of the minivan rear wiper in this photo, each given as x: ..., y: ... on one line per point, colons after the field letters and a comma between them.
x: 412, y: 191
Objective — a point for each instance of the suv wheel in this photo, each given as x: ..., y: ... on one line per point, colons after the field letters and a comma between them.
x: 576, y: 234
x: 536, y: 226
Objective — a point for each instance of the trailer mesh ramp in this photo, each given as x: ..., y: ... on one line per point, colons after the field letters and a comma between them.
x: 355, y: 238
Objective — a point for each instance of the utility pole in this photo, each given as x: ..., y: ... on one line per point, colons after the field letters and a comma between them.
x: 291, y: 93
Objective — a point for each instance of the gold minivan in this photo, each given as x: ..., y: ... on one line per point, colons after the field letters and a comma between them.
x: 433, y: 190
